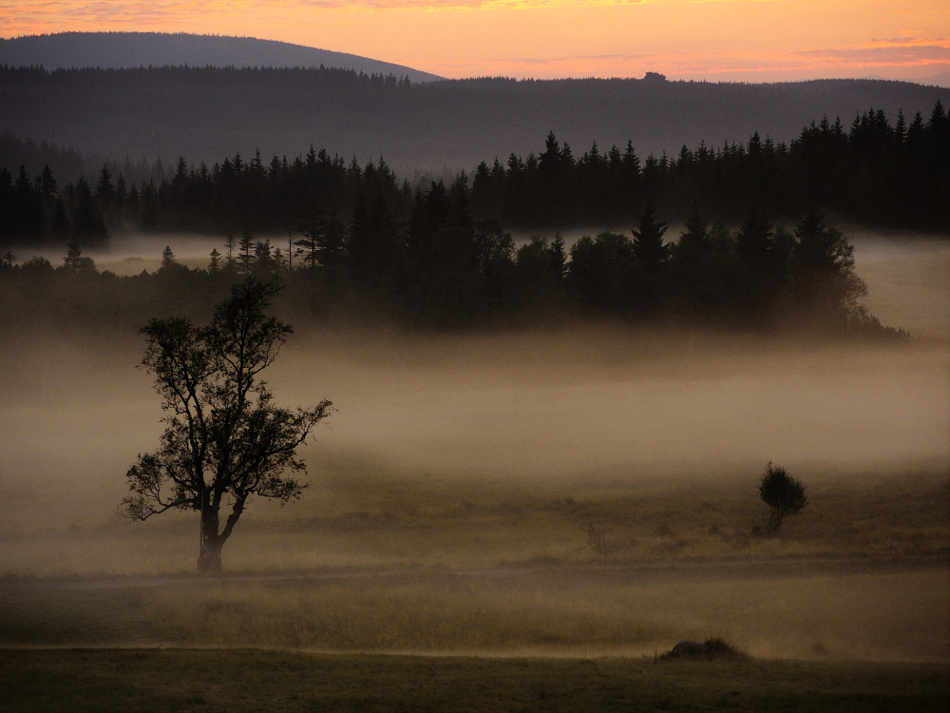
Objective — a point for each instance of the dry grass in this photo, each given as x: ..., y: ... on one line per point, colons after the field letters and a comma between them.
x: 388, y: 561
x: 799, y: 610
x: 247, y: 680
x: 356, y: 520
x: 591, y: 489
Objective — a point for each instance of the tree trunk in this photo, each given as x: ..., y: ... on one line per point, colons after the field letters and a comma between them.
x: 209, y: 552
x: 775, y: 521
x: 209, y: 559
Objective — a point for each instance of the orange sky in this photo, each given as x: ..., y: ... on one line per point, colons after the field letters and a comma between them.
x: 750, y: 40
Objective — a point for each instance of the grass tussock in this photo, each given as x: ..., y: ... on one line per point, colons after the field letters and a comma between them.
x: 714, y: 649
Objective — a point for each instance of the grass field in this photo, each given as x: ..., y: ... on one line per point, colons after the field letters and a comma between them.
x: 500, y: 522
x: 363, y: 514
x: 440, y: 567
x: 497, y: 599
x: 234, y: 681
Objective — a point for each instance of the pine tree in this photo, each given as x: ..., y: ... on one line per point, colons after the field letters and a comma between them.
x: 823, y: 275
x: 648, y: 245
x: 331, y: 248
x: 88, y: 225
x: 229, y: 262
x: 308, y: 247
x: 75, y: 262
x: 246, y: 250
x: 105, y: 190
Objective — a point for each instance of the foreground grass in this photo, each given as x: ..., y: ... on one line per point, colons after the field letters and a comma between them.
x: 364, y: 516
x: 444, y: 567
x: 835, y: 610
x: 254, y: 680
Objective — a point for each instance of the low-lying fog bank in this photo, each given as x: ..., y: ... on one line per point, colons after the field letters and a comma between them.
x: 579, y: 408
x: 906, y: 273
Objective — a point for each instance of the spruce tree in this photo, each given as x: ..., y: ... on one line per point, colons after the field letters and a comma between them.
x: 648, y: 245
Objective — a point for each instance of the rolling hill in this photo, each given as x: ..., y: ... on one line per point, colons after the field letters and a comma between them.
x: 125, y: 50
x: 205, y: 113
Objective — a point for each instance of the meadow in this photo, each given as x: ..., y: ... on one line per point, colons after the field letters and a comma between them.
x: 579, y: 497
x: 238, y: 680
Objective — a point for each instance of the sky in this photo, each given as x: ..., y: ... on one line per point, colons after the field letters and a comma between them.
x: 715, y: 40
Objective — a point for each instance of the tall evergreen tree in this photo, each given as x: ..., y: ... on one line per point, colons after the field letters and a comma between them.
x: 75, y: 262
x: 88, y: 225
x: 824, y: 280
x: 246, y: 253
x: 648, y: 246
x: 308, y: 246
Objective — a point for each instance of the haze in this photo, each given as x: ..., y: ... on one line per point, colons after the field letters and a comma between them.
x: 583, y: 405
x: 584, y: 490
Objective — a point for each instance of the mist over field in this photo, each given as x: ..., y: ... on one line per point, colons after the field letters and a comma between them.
x: 582, y: 402
x: 502, y: 449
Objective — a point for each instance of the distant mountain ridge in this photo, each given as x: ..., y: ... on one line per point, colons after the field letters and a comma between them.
x: 170, y: 112
x: 126, y: 50
x: 937, y: 80
x: 206, y: 107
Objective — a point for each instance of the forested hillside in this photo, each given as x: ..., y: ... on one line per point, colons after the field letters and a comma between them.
x: 354, y: 241
x: 876, y: 171
x: 205, y: 114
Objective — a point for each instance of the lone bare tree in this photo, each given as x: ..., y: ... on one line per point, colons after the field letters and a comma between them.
x: 783, y: 493
x: 224, y: 440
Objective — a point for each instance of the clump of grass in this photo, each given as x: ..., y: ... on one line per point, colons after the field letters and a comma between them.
x: 718, y: 650
x: 714, y: 649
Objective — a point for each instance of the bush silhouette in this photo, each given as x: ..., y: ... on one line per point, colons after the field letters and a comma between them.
x: 783, y: 493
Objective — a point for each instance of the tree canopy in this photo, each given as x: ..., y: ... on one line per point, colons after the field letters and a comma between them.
x: 225, y: 440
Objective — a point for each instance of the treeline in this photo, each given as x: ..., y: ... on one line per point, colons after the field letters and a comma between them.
x: 232, y: 196
x: 208, y: 113
x: 874, y: 172
x: 442, y: 269
x: 323, y: 78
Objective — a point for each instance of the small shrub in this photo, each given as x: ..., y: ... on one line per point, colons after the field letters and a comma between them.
x: 784, y: 494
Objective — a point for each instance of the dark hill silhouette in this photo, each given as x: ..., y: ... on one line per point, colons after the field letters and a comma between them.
x: 125, y: 50
x: 209, y: 113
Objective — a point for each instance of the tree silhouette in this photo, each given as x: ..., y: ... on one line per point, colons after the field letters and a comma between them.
x: 88, y: 225
x: 648, y: 245
x: 75, y: 261
x: 308, y: 247
x: 224, y: 440
x: 822, y: 262
x: 783, y: 493
x: 168, y: 259
x: 245, y: 258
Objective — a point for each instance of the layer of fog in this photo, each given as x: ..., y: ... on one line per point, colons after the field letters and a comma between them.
x: 584, y: 405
